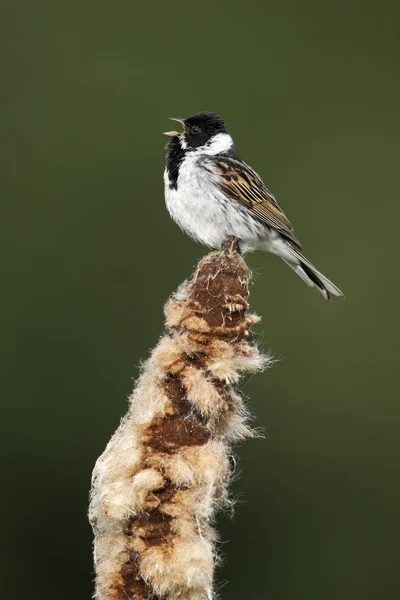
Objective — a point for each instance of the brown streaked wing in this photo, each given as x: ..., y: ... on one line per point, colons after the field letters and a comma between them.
x: 241, y: 183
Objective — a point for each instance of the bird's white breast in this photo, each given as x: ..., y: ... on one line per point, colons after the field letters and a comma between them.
x: 203, y: 211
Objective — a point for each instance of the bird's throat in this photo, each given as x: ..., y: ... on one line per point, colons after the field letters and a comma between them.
x: 174, y: 158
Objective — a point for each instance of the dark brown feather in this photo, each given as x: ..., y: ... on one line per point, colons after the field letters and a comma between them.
x: 241, y: 183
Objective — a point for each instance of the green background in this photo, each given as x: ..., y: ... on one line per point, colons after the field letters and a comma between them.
x: 311, y: 93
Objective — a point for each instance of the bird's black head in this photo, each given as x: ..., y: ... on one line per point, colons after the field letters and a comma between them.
x: 198, y: 130
x: 201, y: 128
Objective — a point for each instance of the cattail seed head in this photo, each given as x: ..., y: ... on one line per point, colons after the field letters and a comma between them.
x: 166, y: 469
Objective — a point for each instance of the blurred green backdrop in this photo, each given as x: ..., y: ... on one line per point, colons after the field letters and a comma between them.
x: 311, y: 94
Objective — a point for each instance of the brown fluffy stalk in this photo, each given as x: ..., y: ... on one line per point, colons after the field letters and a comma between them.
x: 166, y: 469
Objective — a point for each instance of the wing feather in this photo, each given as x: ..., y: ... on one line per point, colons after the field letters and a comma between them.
x: 241, y: 183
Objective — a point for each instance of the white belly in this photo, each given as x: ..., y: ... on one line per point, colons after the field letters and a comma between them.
x: 203, y: 211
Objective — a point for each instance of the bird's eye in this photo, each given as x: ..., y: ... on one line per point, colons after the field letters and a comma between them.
x: 195, y: 130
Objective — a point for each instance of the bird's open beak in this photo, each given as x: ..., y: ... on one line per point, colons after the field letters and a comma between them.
x: 174, y: 133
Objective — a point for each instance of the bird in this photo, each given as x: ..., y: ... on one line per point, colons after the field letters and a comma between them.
x: 212, y: 194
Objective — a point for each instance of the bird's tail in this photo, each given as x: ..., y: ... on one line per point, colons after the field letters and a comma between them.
x: 310, y: 275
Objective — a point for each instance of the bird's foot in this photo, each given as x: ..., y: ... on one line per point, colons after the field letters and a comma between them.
x: 230, y: 245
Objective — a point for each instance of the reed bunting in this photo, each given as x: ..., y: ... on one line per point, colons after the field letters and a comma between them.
x: 212, y: 194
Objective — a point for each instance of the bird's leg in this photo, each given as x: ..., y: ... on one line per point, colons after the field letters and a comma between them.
x: 230, y: 245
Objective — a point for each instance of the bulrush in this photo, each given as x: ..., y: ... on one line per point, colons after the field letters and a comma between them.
x: 166, y: 469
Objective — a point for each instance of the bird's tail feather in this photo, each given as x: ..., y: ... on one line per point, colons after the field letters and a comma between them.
x: 311, y: 275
